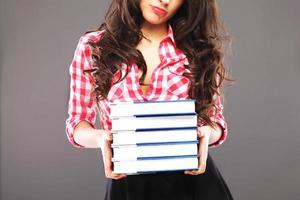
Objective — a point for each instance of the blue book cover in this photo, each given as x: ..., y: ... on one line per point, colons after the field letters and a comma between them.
x: 193, y: 165
x: 146, y: 151
x: 149, y: 108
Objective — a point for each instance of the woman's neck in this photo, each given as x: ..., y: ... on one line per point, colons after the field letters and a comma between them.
x: 154, y: 32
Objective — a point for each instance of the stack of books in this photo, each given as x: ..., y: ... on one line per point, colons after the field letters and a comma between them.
x: 154, y: 136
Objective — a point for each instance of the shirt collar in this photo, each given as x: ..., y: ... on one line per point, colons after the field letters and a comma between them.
x: 171, y: 36
x: 170, y: 33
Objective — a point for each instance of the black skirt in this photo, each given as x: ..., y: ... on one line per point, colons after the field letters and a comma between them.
x: 170, y: 185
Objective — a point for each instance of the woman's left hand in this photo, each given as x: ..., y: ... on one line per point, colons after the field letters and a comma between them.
x: 203, y: 133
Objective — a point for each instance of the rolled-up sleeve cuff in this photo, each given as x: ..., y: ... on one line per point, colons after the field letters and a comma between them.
x: 70, y: 126
x: 223, y: 136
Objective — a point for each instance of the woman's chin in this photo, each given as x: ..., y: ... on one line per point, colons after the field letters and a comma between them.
x: 155, y: 21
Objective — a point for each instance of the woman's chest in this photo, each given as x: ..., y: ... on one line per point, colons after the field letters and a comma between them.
x: 165, y: 82
x: 152, y: 60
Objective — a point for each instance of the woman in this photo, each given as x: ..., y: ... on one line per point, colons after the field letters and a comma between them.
x: 149, y: 50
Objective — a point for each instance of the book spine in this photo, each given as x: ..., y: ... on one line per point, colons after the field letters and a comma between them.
x: 157, y: 129
x: 159, y: 143
x: 165, y: 114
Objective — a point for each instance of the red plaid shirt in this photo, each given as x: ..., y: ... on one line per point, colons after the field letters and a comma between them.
x: 166, y: 84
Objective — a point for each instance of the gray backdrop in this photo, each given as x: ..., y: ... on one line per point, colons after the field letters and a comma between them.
x: 38, y: 37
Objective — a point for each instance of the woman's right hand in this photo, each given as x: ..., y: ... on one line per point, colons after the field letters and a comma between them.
x: 105, y: 145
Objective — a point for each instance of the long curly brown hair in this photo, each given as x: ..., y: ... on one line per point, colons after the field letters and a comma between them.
x: 198, y: 32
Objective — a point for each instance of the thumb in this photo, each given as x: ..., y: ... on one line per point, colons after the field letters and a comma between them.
x: 200, y: 132
x: 108, y: 136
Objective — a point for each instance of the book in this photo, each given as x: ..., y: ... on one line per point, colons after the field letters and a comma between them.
x: 133, y: 108
x: 153, y: 122
x: 154, y: 136
x: 152, y: 150
x: 140, y: 166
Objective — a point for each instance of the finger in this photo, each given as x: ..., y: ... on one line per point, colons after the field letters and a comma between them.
x: 194, y: 172
x: 190, y: 172
x: 107, y: 135
x: 109, y: 164
x: 199, y: 132
x: 107, y: 157
x: 119, y: 175
x: 114, y: 175
x: 203, y: 148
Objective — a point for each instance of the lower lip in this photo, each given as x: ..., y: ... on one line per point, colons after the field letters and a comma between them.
x: 158, y: 11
